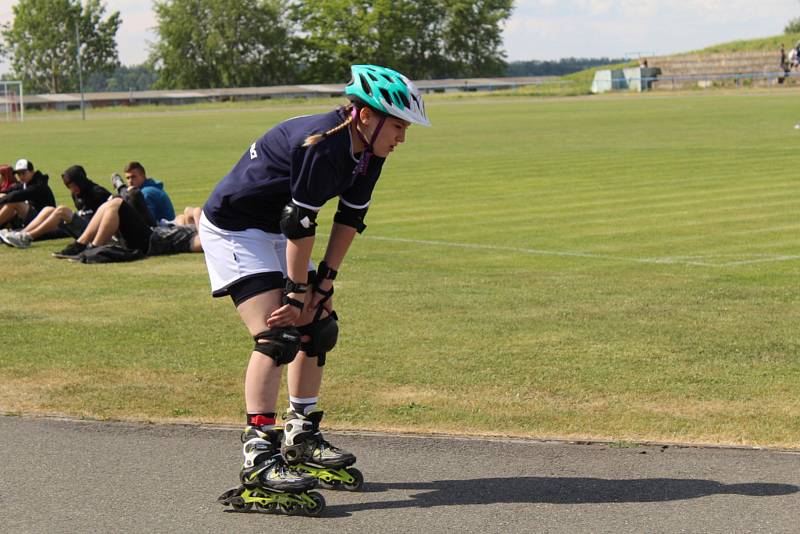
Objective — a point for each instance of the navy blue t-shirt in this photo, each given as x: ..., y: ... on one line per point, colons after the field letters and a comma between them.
x: 277, y: 168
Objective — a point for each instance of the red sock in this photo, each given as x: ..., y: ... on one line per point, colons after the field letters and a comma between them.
x: 261, y: 419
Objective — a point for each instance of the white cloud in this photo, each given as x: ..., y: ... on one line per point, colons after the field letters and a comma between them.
x: 541, y: 29
x: 136, y: 30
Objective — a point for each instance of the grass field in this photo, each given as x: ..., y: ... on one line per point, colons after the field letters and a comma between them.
x: 589, y: 268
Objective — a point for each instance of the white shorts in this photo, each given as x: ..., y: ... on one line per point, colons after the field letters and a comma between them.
x: 232, y: 256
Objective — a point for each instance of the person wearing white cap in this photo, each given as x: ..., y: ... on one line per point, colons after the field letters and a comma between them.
x: 24, y: 201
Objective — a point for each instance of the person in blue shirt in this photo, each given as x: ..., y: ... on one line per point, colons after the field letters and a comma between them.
x: 157, y: 200
x: 258, y: 229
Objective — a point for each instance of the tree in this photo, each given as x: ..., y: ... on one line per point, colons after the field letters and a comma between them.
x: 421, y: 38
x: 411, y: 37
x: 41, y: 48
x: 793, y: 26
x: 335, y: 34
x: 221, y: 43
x: 473, y: 36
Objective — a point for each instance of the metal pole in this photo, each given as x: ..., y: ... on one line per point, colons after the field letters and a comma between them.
x: 80, y: 69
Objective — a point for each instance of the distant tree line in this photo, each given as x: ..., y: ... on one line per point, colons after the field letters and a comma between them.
x: 560, y: 67
x: 124, y: 78
x: 235, y: 43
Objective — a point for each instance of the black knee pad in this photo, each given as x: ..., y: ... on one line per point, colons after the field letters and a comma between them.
x: 323, y: 334
x: 280, y: 344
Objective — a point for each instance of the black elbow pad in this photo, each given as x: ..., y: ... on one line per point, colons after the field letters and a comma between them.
x: 298, y: 222
x: 353, y: 217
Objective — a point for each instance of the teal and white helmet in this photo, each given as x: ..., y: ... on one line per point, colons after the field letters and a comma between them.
x: 387, y: 91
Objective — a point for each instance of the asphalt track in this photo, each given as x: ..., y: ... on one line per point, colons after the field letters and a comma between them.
x: 84, y: 476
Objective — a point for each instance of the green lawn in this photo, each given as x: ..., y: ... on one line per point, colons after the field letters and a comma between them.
x: 595, y: 268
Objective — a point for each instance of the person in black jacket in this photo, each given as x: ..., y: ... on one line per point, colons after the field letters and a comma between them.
x: 25, y: 200
x: 62, y: 221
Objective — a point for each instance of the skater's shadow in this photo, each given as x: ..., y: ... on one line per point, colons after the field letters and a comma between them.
x: 553, y: 491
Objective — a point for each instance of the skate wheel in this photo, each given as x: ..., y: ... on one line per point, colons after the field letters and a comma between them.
x: 238, y: 504
x: 228, y: 495
x: 291, y: 509
x: 267, y: 508
x: 332, y: 485
x: 357, y: 484
x: 319, y: 504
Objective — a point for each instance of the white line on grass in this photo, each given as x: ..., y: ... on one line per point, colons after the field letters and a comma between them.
x: 541, y: 252
x: 760, y: 260
x: 678, y: 260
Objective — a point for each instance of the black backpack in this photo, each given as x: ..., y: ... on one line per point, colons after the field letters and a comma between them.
x: 112, y: 253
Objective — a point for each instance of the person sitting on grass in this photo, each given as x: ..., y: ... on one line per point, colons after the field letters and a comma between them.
x: 7, y: 179
x: 157, y: 200
x: 116, y: 215
x: 62, y: 221
x: 25, y: 200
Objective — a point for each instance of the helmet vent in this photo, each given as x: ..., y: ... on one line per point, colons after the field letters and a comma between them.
x: 386, y: 96
x: 374, y: 79
x: 388, y: 78
x: 404, y: 100
x: 365, y: 85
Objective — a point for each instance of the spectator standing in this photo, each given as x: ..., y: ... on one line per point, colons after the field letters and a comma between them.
x: 784, y: 64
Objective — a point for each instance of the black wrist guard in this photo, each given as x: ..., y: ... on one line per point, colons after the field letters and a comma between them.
x: 325, y: 273
x: 294, y: 287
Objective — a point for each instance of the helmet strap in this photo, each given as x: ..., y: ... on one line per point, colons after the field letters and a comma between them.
x: 366, y: 154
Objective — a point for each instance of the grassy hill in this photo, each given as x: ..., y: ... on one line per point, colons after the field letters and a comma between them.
x: 752, y: 45
x: 579, y: 83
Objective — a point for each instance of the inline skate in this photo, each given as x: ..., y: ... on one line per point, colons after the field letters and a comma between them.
x: 268, y: 484
x: 307, y: 451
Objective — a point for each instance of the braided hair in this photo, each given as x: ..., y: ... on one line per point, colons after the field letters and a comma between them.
x: 312, y: 140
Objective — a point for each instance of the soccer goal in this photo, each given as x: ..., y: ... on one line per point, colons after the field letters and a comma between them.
x: 12, y: 105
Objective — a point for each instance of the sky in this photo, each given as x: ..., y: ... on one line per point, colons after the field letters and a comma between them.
x: 552, y: 29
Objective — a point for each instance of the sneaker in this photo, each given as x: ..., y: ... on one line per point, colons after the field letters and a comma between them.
x: 70, y: 251
x: 18, y: 239
x: 117, y: 182
x: 3, y: 233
